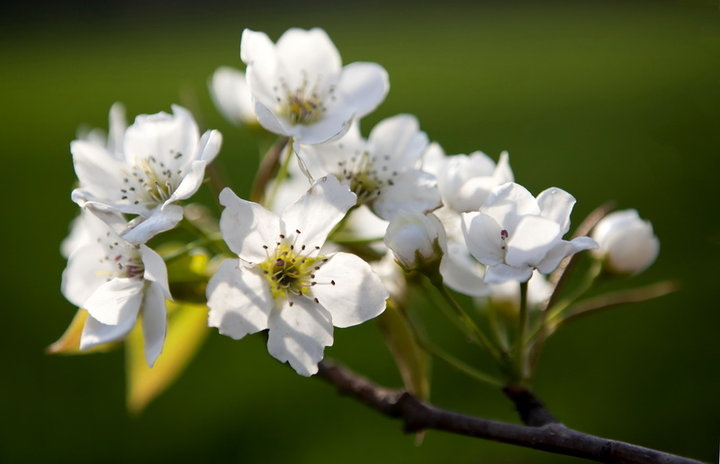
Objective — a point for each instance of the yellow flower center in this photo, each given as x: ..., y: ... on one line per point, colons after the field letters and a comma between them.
x: 290, y: 272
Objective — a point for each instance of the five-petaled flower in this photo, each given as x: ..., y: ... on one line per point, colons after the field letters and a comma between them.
x: 284, y: 282
x: 381, y: 170
x: 515, y: 233
x: 163, y: 161
x: 116, y: 281
x: 302, y: 90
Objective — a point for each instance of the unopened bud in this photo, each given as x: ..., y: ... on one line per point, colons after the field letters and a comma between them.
x: 417, y: 240
x: 627, y: 243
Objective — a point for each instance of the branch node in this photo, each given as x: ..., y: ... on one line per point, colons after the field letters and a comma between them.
x: 531, y: 410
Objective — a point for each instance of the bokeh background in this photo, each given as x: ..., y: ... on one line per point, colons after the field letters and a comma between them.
x: 608, y: 100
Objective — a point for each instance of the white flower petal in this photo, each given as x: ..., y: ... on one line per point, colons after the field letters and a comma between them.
x: 363, y: 86
x: 247, y: 226
x: 401, y: 138
x: 349, y: 290
x: 193, y: 178
x: 155, y: 270
x: 231, y: 95
x: 503, y: 173
x: 333, y: 125
x: 533, y: 237
x: 317, y: 212
x: 482, y: 235
x: 255, y: 47
x: 116, y: 129
x: 302, y: 53
x: 162, y: 136
x: 508, y: 202
x: 209, y: 146
x: 364, y: 224
x: 270, y: 120
x: 462, y: 273
x: 412, y: 190
x: 556, y: 204
x: 98, y: 173
x: 161, y: 219
x: 116, y: 301
x: 299, y: 334
x: 95, y: 333
x: 80, y: 278
x: 239, y: 300
x: 499, y: 273
x: 562, y: 250
x: 154, y: 321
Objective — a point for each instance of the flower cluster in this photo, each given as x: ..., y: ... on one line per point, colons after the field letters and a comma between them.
x: 336, y: 206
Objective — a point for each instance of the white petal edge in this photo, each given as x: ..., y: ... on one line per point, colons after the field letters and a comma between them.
x: 482, y: 236
x: 247, y: 226
x: 116, y: 301
x: 154, y: 322
x: 155, y: 270
x: 299, y: 334
x: 363, y: 86
x: 95, y: 333
x: 317, y: 212
x: 162, y: 218
x: 349, y: 290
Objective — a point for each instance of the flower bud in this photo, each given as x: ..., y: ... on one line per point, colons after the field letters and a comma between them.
x: 627, y: 243
x: 417, y: 240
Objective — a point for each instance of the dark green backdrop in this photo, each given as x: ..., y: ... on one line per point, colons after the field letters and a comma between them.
x: 610, y: 101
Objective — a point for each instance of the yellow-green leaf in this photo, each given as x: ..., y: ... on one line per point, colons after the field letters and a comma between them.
x: 187, y: 329
x: 69, y: 342
x: 412, y: 361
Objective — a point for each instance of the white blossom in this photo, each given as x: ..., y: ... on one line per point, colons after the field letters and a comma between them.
x: 465, y: 181
x: 110, y: 141
x: 231, y: 94
x: 284, y: 282
x: 381, y: 170
x: 301, y: 89
x: 163, y: 161
x: 515, y: 233
x: 116, y: 281
x: 626, y: 241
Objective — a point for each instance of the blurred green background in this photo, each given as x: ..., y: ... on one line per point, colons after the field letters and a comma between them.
x: 611, y: 100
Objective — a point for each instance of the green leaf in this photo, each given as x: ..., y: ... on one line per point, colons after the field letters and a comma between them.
x: 187, y: 329
x: 69, y: 342
x: 411, y: 359
x: 188, y: 276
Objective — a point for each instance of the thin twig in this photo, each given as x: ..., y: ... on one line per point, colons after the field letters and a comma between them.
x: 266, y: 170
x: 552, y: 437
x: 609, y: 300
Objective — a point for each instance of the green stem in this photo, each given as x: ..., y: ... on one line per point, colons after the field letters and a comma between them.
x: 499, y: 333
x: 447, y: 358
x: 218, y: 246
x: 281, y: 174
x: 458, y: 364
x: 465, y: 322
x: 519, y: 351
x: 554, y: 313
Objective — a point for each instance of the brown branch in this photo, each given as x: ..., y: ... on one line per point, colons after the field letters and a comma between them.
x: 552, y: 437
x: 266, y: 170
x: 530, y: 409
